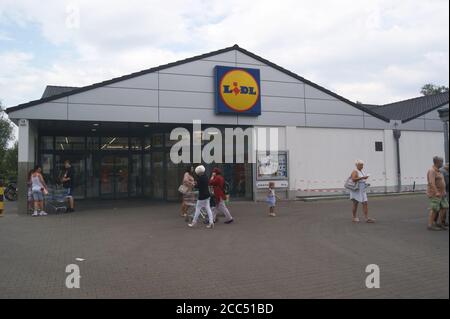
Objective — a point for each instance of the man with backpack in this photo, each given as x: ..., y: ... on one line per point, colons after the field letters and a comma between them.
x: 218, y: 183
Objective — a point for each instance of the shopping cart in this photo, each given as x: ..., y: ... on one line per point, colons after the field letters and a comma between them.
x: 55, y: 200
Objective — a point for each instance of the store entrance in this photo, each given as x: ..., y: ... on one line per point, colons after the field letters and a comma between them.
x: 114, y: 176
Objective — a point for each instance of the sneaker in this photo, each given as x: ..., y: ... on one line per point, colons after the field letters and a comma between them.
x: 229, y: 221
x: 434, y: 228
x: 442, y: 226
x: 210, y: 226
x: 191, y: 225
x: 42, y: 213
x: 35, y: 214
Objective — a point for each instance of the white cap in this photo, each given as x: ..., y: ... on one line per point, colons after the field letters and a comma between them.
x: 200, y: 170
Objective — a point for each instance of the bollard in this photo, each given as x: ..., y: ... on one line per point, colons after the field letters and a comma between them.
x: 2, y: 192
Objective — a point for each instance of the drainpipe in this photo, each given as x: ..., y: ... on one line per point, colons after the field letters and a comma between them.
x: 397, y: 134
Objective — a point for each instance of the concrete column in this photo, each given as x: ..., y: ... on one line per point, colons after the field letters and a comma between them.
x: 26, y: 159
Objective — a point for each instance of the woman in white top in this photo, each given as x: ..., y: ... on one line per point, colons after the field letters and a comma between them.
x: 360, y: 195
x: 38, y: 188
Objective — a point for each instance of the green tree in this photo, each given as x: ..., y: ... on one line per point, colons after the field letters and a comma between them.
x: 6, y: 135
x: 430, y: 89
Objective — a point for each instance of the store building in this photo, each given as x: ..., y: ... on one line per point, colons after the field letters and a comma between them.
x: 117, y: 132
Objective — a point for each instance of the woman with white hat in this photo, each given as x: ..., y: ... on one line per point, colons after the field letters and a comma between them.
x: 203, y: 197
x: 359, y: 195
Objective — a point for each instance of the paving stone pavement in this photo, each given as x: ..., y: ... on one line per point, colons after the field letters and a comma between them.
x: 139, y: 249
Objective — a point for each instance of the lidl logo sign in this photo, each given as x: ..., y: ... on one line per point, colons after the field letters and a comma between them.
x: 237, y: 91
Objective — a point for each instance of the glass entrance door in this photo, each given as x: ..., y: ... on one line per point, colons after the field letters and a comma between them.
x: 114, y: 176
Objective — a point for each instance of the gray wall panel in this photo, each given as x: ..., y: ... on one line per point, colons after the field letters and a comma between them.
x: 274, y: 119
x: 282, y: 89
x: 331, y: 107
x: 326, y: 120
x: 434, y: 125
x: 313, y: 93
x: 201, y: 67
x: 433, y: 115
x: 186, y: 83
x: 242, y: 58
x: 183, y: 115
x: 122, y: 113
x: 186, y: 99
x: 282, y: 104
x: 147, y: 81
x: 47, y: 111
x: 118, y: 96
x: 417, y: 124
x: 223, y: 57
x: 371, y: 122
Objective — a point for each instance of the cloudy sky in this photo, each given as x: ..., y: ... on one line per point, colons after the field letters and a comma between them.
x: 372, y: 51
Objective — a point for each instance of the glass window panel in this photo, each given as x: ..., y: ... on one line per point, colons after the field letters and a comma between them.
x: 114, y: 143
x: 147, y: 175
x: 92, y: 176
x: 47, y: 167
x: 70, y: 143
x: 136, y: 144
x: 92, y: 143
x: 47, y: 143
x: 136, y: 175
x: 79, y: 173
x: 157, y: 140
x: 147, y: 144
x: 158, y: 175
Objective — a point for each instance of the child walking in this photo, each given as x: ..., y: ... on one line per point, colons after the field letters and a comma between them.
x: 272, y: 199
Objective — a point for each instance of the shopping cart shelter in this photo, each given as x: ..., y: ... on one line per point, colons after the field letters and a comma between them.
x: 116, y: 133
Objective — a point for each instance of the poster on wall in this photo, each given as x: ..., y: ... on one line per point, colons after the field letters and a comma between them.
x: 272, y: 166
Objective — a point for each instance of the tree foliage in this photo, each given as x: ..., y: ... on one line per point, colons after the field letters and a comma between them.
x: 8, y: 156
x: 430, y: 89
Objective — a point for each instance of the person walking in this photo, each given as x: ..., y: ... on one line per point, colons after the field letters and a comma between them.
x: 203, y: 197
x: 188, y: 185
x: 38, y: 189
x: 444, y: 172
x: 218, y: 183
x: 437, y: 195
x: 271, y: 199
x: 360, y: 194
x: 68, y: 184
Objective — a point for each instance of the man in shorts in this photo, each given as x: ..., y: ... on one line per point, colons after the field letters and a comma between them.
x: 437, y: 195
x: 67, y: 181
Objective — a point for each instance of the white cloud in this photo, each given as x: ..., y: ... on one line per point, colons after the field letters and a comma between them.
x: 373, y: 51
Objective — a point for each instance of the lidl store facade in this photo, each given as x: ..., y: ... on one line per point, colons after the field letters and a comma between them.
x: 117, y: 133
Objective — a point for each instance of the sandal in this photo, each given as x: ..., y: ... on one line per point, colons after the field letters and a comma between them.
x: 370, y: 220
x: 356, y: 220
